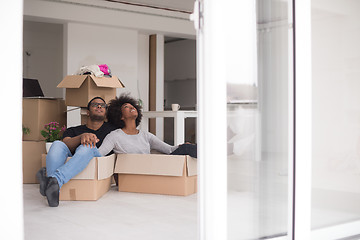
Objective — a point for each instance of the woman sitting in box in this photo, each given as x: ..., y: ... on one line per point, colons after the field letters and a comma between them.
x: 124, y: 112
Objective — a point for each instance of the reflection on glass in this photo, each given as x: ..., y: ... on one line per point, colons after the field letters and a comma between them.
x: 257, y: 97
x: 336, y: 113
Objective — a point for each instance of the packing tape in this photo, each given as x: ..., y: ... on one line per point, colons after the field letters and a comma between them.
x: 72, y: 194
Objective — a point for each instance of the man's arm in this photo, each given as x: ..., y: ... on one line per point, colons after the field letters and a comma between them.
x: 88, y: 139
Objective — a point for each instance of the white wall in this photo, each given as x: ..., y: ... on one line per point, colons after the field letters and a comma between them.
x: 118, y: 48
x: 336, y: 98
x: 44, y: 43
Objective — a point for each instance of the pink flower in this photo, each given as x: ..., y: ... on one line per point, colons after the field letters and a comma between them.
x: 52, y: 131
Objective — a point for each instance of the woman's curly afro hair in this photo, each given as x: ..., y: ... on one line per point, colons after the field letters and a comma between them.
x: 114, y: 114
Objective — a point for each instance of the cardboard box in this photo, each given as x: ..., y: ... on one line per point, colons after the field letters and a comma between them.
x: 92, y: 183
x: 43, y: 164
x: 157, y: 173
x: 32, y: 152
x: 80, y: 89
x: 40, y: 111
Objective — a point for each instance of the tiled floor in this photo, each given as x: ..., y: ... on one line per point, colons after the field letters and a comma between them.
x: 116, y: 215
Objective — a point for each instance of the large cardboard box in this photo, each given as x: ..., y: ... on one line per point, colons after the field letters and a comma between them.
x: 157, y: 173
x: 40, y: 111
x: 32, y: 152
x: 80, y: 89
x: 92, y: 183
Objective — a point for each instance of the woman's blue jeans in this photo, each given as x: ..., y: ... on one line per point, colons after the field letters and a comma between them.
x: 56, y: 165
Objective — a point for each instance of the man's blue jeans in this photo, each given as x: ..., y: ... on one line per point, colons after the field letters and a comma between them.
x: 56, y: 158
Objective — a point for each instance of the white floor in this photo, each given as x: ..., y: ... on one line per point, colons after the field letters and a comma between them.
x: 116, y: 215
x: 257, y: 208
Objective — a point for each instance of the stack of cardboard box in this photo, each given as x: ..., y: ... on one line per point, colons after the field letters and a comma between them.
x: 37, y: 112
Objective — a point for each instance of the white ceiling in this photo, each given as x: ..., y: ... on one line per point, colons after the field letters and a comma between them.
x: 179, y: 5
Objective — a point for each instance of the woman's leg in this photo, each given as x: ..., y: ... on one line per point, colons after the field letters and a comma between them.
x: 186, y: 149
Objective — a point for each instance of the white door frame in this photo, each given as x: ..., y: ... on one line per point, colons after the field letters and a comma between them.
x: 211, y: 95
x: 301, y: 204
x: 11, y: 205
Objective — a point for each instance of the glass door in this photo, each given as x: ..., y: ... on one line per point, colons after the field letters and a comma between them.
x: 245, y: 57
x: 259, y: 107
x: 288, y: 92
x: 335, y: 118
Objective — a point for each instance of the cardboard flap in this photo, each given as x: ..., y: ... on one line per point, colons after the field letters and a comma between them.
x: 88, y: 172
x: 112, y: 82
x: 72, y: 81
x: 150, y: 164
x: 191, y: 166
x: 106, y: 166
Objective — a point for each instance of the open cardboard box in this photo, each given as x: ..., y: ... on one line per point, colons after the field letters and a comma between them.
x: 157, y: 173
x: 90, y: 184
x: 80, y: 89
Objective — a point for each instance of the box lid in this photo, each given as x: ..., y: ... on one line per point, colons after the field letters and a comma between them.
x: 106, y: 166
x: 75, y: 81
x: 98, y: 168
x: 154, y: 164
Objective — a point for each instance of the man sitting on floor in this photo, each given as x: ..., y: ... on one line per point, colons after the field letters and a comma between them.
x: 78, y: 143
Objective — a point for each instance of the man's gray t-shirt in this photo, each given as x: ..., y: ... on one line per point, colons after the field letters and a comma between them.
x: 141, y: 143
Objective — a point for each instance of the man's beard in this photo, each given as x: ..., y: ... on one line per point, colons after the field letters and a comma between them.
x: 96, y: 118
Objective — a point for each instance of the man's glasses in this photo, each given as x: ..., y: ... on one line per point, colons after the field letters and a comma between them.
x: 96, y: 105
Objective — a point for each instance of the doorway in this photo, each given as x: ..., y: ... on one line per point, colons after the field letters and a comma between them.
x: 180, y: 84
